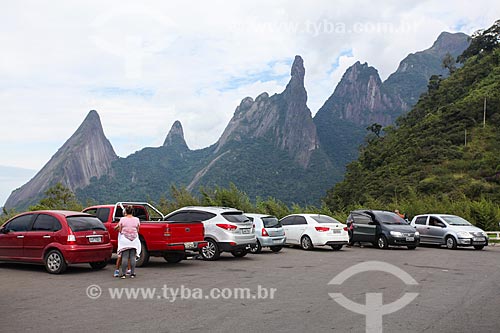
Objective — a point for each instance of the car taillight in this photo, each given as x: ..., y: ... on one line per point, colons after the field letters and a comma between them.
x: 264, y: 232
x: 167, y: 233
x: 345, y: 228
x: 322, y: 229
x: 228, y: 227
x: 71, y: 238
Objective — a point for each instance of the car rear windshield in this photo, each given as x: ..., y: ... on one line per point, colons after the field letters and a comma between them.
x: 271, y: 222
x: 455, y: 220
x: 236, y: 217
x: 324, y: 219
x: 390, y: 218
x: 84, y: 223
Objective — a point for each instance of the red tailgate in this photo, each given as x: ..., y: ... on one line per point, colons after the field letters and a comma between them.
x: 183, y: 232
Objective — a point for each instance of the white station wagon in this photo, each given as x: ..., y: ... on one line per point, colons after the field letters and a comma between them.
x: 310, y: 230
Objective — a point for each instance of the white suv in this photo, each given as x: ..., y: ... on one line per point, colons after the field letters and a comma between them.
x: 226, y: 229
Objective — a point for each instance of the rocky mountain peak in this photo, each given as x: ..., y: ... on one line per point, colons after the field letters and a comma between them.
x: 175, y: 136
x: 359, y: 98
x: 86, y: 154
x: 295, y: 89
x: 284, y: 119
x: 453, y: 43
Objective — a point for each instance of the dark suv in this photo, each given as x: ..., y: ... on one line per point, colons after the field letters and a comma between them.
x: 382, y: 228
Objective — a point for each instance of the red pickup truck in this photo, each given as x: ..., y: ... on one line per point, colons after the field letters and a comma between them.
x: 173, y: 241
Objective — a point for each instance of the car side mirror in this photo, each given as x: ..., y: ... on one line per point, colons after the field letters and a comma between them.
x: 116, y: 219
x: 4, y: 230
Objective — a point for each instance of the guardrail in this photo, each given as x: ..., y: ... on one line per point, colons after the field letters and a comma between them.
x: 493, y: 235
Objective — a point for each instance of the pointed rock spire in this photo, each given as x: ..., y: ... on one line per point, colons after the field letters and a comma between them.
x: 282, y: 118
x: 175, y: 137
x: 295, y: 89
x: 86, y: 154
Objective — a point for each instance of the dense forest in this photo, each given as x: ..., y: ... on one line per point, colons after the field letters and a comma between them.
x: 442, y: 156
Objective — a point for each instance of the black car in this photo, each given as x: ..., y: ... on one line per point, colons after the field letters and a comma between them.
x: 382, y: 228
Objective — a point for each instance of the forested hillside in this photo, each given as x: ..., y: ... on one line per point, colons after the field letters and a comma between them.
x: 446, y: 148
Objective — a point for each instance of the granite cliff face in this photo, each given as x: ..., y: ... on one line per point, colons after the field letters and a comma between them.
x: 363, y: 99
x: 411, y: 78
x: 360, y: 98
x: 284, y: 119
x: 86, y: 154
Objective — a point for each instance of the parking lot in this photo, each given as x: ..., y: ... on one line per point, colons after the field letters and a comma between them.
x: 458, y: 291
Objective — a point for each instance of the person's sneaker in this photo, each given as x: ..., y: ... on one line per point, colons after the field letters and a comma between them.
x: 128, y: 272
x: 116, y: 273
x: 122, y: 277
x: 132, y: 276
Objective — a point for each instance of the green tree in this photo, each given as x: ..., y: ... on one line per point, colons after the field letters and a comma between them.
x: 58, y: 197
x: 449, y: 63
x: 6, y: 215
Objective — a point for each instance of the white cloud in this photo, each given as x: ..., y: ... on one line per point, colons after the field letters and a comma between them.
x: 151, y: 64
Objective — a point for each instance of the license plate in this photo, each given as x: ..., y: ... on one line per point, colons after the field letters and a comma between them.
x: 410, y: 239
x: 245, y: 231
x: 95, y: 239
x: 276, y: 241
x: 189, y: 245
x: 478, y: 239
x: 336, y: 231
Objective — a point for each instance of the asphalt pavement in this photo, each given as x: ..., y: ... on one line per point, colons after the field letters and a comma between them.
x: 397, y: 290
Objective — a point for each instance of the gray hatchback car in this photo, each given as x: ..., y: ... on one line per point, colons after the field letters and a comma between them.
x: 269, y: 232
x: 449, y: 230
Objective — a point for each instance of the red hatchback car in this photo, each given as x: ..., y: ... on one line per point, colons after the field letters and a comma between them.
x: 55, y: 238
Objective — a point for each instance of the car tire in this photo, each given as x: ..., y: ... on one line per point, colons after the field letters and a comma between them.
x: 143, y: 257
x: 337, y: 247
x: 276, y: 248
x: 239, y: 253
x: 412, y: 247
x: 98, y: 265
x: 210, y: 252
x: 382, y: 242
x: 257, y: 248
x: 54, y: 262
x: 174, y: 258
x: 478, y: 247
x: 306, y: 243
x: 451, y: 243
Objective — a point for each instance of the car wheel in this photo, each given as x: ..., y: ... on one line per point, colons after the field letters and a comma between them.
x: 144, y: 256
x: 98, y: 265
x: 337, y: 247
x: 451, y: 243
x: 479, y: 247
x: 174, y: 258
x: 411, y: 247
x: 257, y: 248
x: 276, y: 248
x: 306, y: 243
x: 382, y: 242
x: 211, y: 251
x: 239, y: 253
x: 54, y: 262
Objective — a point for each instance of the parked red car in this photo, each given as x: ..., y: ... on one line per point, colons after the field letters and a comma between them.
x: 55, y: 238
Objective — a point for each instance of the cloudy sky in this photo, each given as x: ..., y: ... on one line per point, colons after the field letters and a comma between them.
x: 143, y: 65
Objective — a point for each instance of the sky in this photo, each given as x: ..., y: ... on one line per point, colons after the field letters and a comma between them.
x: 143, y: 65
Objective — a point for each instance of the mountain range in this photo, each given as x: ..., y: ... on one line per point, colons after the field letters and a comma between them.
x: 272, y: 146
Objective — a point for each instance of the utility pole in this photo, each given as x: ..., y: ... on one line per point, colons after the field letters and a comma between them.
x: 484, y: 113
